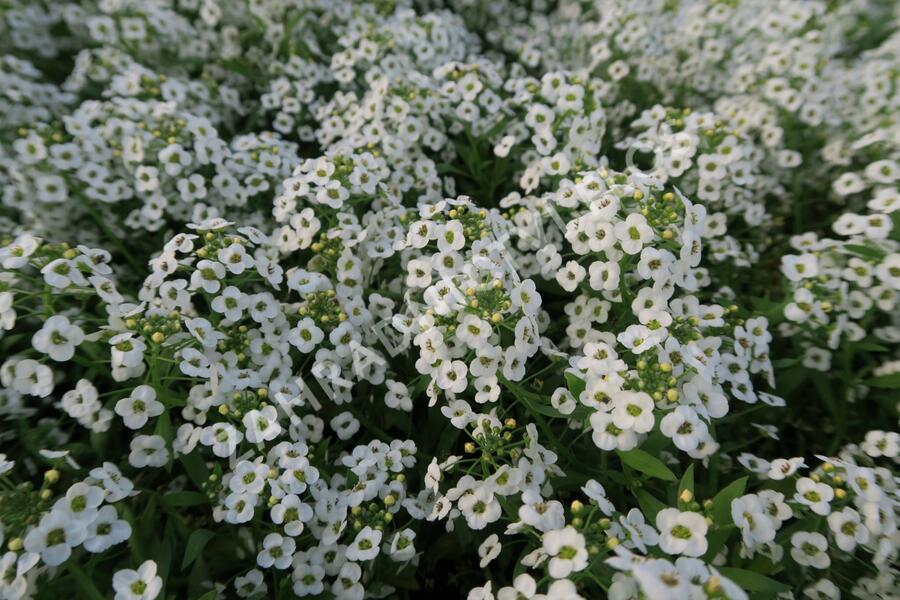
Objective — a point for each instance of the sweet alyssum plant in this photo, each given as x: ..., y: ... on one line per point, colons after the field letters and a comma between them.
x: 493, y: 300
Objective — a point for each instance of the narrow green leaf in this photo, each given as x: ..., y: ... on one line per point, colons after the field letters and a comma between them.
x: 891, y: 381
x: 753, y: 582
x: 869, y: 347
x: 176, y: 499
x: 784, y: 363
x: 641, y: 461
x: 534, y: 402
x: 163, y: 551
x: 866, y: 251
x: 85, y: 584
x: 721, y: 508
x: 687, y: 482
x: 195, y: 467
x: 195, y: 545
x: 575, y: 384
x: 716, y: 540
x: 650, y: 504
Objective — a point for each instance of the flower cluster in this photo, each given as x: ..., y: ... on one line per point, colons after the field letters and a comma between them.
x: 498, y: 300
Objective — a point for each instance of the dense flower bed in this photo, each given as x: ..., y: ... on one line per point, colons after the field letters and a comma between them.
x: 507, y: 299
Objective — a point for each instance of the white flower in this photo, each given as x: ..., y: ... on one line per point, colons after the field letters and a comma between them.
x: 450, y: 237
x: 55, y: 536
x: 207, y: 275
x: 489, y: 549
x: 365, y: 545
x: 784, y: 467
x: 345, y: 425
x: 681, y: 532
x: 251, y: 584
x: 479, y: 507
x: 848, y: 529
x: 661, y: 579
x: 140, y: 406
x: 684, y: 427
x: 639, y: 534
x: 230, y: 303
x: 594, y: 490
x: 292, y: 514
x: 402, y: 548
x: 567, y: 551
x: 418, y: 273
x: 261, y: 425
x: 277, y: 551
x: 116, y: 485
x: 810, y: 549
x: 143, y: 584
x: 797, y: 268
x: 816, y: 496
x: 15, y: 567
x: 570, y: 276
x: 127, y: 350
x: 235, y: 258
x: 608, y: 436
x: 308, y: 579
x: 81, y: 502
x: 452, y: 376
x: 543, y: 515
x: 148, y: 451
x: 882, y: 443
x: 58, y: 338
x: 822, y: 590
x: 526, y: 297
x: 633, y: 233
x: 633, y: 410
x: 306, y: 335
x: 524, y: 586
x: 106, y: 530
x: 749, y: 514
x: 347, y: 586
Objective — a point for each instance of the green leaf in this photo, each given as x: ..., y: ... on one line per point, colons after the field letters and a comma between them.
x: 210, y: 595
x: 237, y: 66
x: 185, y: 499
x: 721, y: 507
x: 85, y: 585
x: 195, y: 467
x: 164, y: 428
x: 891, y: 381
x: 717, y: 539
x: 784, y: 363
x: 575, y: 384
x: 869, y: 347
x: 791, y: 379
x: 532, y: 401
x: 639, y: 460
x: 687, y: 482
x: 753, y: 582
x: 866, y: 251
x: 163, y: 550
x: 650, y: 504
x: 195, y: 545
